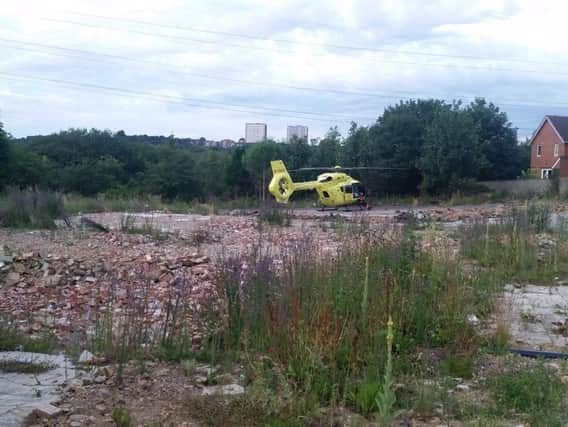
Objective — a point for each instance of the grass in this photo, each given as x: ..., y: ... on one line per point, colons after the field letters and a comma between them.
x: 275, y: 216
x: 311, y: 328
x: 13, y: 366
x: 122, y: 417
x: 130, y: 224
x: 533, y: 393
x: 455, y: 199
x: 77, y: 204
x: 30, y: 208
x: 325, y: 321
x: 12, y: 339
x: 517, y: 248
x: 458, y: 365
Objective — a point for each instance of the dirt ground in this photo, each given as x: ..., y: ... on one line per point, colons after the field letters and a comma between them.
x: 58, y: 281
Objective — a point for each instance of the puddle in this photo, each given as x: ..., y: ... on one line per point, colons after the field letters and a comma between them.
x: 20, y: 393
x: 537, y: 315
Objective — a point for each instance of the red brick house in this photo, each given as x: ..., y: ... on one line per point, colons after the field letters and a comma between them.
x: 548, y: 147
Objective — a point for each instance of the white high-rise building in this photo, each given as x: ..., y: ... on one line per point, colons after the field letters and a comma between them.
x: 298, y: 131
x: 255, y: 132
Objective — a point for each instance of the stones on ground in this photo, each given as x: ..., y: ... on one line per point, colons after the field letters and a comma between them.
x: 462, y: 388
x: 13, y: 278
x: 87, y: 357
x: 46, y: 410
x: 69, y: 288
x: 78, y: 420
x: 472, y: 319
x: 89, y: 223
x: 223, y: 390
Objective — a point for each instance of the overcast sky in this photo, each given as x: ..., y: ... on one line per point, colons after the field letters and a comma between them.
x: 204, y: 68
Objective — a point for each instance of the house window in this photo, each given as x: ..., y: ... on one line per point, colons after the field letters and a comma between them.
x: 556, y: 150
x: 546, y: 173
x: 538, y: 150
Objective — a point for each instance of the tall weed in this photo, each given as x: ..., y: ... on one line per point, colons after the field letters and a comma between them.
x: 325, y: 317
x: 30, y: 208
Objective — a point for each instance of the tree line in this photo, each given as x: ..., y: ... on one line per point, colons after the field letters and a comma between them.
x: 432, y: 147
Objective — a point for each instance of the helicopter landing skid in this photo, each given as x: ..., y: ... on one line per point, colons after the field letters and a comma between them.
x: 347, y: 208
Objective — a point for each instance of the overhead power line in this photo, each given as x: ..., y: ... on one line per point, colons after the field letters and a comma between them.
x: 370, y: 93
x: 187, y: 101
x: 349, y: 47
x: 180, y: 100
x: 185, y: 39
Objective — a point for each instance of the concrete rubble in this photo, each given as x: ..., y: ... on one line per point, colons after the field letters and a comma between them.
x: 64, y: 291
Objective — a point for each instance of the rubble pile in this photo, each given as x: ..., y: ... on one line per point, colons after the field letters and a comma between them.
x: 469, y: 214
x: 66, y: 291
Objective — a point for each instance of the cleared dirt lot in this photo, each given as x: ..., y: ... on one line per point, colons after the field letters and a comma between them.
x: 61, y: 281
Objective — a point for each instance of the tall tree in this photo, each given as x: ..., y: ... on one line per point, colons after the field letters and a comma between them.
x: 397, y: 141
x: 237, y: 178
x: 498, y: 140
x: 4, y: 157
x: 355, y: 149
x: 298, y: 153
x: 257, y: 162
x: 173, y: 176
x: 328, y: 149
x: 452, y: 153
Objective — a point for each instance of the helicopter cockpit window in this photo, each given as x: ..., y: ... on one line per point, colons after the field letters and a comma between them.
x: 348, y: 189
x: 326, y: 179
x: 325, y: 194
x: 358, y: 190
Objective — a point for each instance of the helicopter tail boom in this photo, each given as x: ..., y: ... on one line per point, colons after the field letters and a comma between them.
x: 281, y: 186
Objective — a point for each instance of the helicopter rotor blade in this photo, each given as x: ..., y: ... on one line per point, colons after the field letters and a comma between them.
x: 348, y: 168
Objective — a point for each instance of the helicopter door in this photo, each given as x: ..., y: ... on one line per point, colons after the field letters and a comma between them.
x: 347, y: 193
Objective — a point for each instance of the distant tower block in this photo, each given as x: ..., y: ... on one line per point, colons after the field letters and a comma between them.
x: 255, y: 132
x: 298, y: 131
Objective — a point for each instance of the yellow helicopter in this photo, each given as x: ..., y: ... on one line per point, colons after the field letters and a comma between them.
x: 334, y: 188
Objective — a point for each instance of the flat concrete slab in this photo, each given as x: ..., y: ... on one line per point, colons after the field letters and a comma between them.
x: 538, y: 316
x: 20, y: 393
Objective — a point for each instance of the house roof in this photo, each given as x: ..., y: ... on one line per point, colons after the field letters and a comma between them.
x: 560, y: 124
